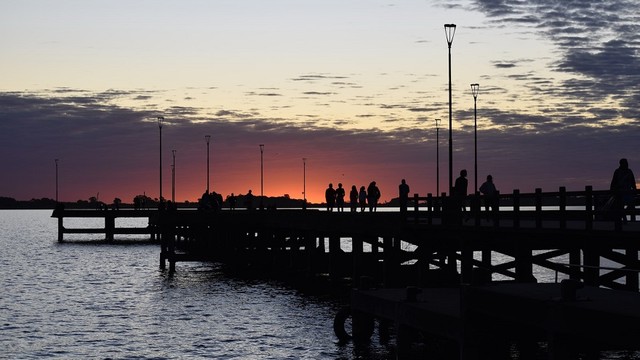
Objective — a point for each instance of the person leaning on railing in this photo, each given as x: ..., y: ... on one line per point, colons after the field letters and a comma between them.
x: 623, y: 187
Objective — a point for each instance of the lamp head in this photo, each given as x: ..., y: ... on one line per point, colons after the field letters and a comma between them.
x: 475, y: 89
x: 160, y: 121
x: 449, y: 32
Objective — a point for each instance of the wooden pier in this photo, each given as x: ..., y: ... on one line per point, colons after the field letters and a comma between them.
x: 438, y: 253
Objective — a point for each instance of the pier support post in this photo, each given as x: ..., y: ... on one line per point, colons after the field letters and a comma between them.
x: 109, y: 226
x: 575, y: 261
x: 334, y: 257
x: 592, y: 266
x: 524, y: 264
x: 357, y: 252
x: 60, y: 229
x: 631, y: 255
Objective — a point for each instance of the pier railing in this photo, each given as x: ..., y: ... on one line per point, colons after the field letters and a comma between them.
x: 538, y: 208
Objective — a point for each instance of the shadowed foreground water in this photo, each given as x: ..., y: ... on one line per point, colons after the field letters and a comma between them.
x: 90, y: 300
x: 86, y: 299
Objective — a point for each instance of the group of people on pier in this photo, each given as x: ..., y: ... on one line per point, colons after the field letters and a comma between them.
x: 620, y: 205
x: 365, y: 196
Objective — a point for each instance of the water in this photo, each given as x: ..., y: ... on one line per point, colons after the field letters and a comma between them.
x: 87, y: 299
x: 92, y: 300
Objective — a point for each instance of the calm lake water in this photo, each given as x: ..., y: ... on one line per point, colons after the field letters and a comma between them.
x: 87, y: 299
x: 92, y: 300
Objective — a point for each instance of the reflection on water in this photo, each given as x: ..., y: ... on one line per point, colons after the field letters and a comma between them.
x: 94, y: 300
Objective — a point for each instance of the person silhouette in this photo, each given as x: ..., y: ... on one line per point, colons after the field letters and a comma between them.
x: 340, y: 197
x: 232, y: 201
x: 248, y: 200
x: 330, y: 197
x: 623, y: 186
x: 362, y: 198
x: 460, y: 190
x: 373, y: 195
x: 353, y: 198
x: 403, y: 191
x: 488, y: 189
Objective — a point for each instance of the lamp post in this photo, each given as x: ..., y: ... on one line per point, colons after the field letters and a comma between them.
x: 437, y: 157
x: 304, y: 181
x: 173, y: 178
x: 449, y: 31
x: 160, y: 121
x: 207, y: 138
x: 475, y: 88
x: 56, y: 180
x: 261, y: 176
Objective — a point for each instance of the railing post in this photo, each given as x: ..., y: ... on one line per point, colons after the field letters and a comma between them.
x: 563, y: 207
x: 538, y: 200
x: 476, y: 208
x: 416, y: 208
x: 495, y: 209
x: 516, y: 208
x: 430, y: 209
x: 588, y: 207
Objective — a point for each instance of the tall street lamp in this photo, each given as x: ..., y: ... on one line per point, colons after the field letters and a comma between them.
x: 160, y: 121
x: 475, y: 88
x: 207, y: 138
x: 449, y: 31
x: 437, y: 157
x: 173, y: 177
x: 304, y: 181
x: 56, y: 180
x: 261, y: 176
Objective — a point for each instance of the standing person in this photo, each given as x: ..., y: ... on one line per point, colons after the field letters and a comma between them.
x: 353, y: 198
x: 373, y: 195
x: 460, y: 190
x: 488, y: 189
x: 232, y: 201
x: 330, y: 197
x: 340, y: 197
x: 248, y: 200
x: 403, y: 191
x: 362, y: 198
x: 623, y: 186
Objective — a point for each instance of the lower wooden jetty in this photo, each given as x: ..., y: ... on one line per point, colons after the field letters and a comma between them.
x: 110, y: 229
x: 488, y: 321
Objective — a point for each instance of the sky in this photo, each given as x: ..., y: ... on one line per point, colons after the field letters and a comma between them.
x: 337, y: 91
